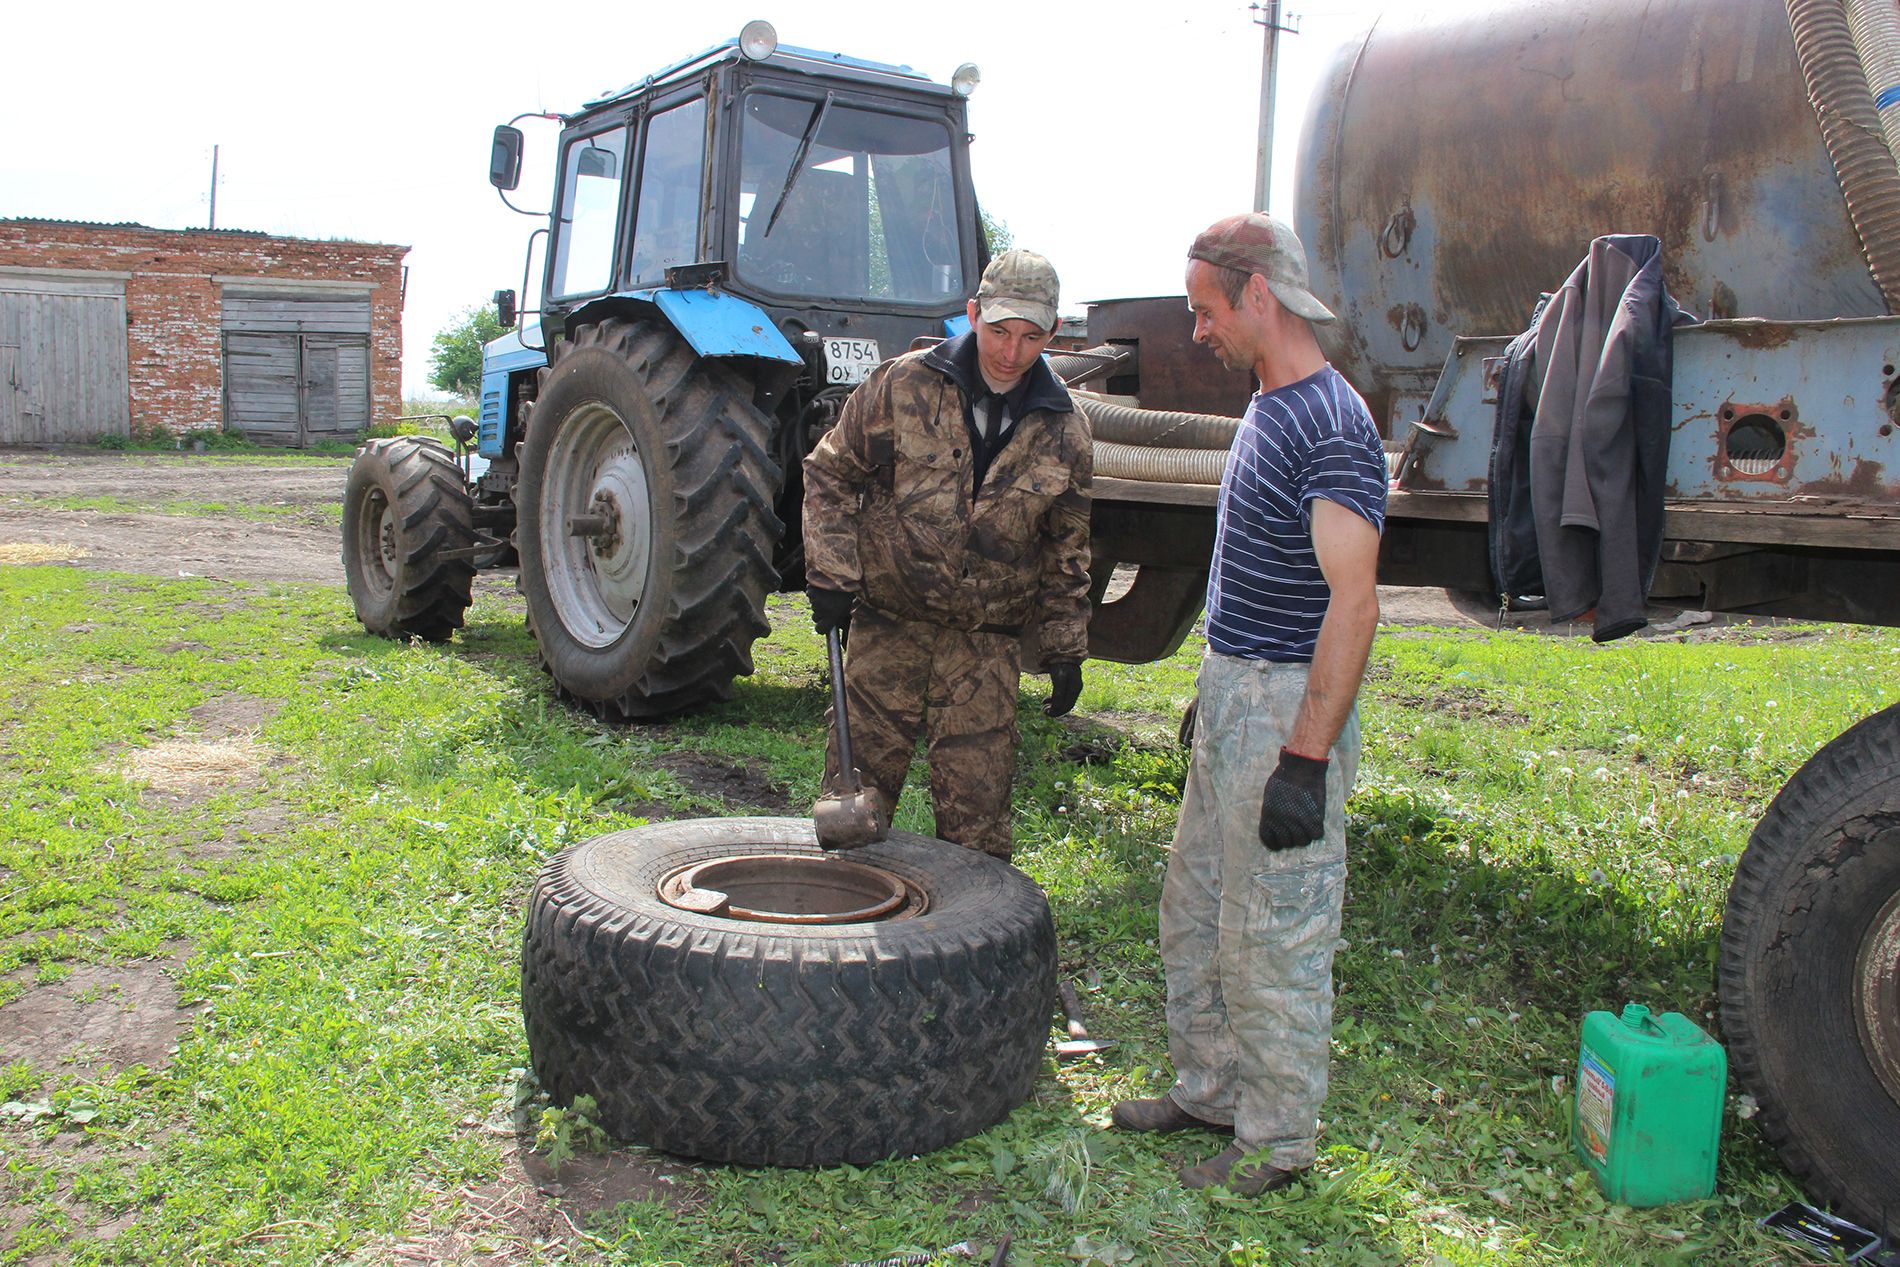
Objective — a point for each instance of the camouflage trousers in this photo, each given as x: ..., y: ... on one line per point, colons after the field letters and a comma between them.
x: 958, y: 690
x: 1247, y: 934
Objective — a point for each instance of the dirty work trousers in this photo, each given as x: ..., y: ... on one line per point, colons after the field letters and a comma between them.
x: 1247, y: 934
x: 958, y: 690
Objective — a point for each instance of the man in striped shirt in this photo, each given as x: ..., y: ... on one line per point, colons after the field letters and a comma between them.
x: 1251, y: 905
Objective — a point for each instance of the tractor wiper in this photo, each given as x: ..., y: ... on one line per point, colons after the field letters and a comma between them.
x: 798, y: 161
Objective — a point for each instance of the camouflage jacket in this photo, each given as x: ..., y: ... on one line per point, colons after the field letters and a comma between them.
x: 892, y: 512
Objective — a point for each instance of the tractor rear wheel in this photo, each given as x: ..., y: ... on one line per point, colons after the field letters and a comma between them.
x: 1810, y: 972
x: 645, y: 522
x: 405, y: 504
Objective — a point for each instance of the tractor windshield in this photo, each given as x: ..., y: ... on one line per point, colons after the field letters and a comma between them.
x: 838, y: 201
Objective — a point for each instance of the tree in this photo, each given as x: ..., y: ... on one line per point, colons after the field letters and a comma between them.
x: 455, y: 363
x: 996, y: 233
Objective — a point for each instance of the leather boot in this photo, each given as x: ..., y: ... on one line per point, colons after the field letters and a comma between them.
x: 1243, y: 1179
x: 1161, y: 1114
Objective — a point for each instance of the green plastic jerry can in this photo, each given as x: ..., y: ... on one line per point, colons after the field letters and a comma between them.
x: 1649, y: 1105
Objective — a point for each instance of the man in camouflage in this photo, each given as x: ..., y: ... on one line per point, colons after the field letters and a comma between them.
x: 1250, y: 908
x: 948, y: 507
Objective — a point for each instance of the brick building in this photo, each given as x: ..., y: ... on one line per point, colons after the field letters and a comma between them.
x: 107, y: 328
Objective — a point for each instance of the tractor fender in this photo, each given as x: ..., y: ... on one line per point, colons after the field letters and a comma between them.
x: 712, y: 322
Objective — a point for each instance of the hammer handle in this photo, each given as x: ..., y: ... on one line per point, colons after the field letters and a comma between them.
x: 847, y: 772
x: 1072, y: 1010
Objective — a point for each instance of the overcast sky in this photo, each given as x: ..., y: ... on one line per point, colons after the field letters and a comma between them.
x: 1106, y: 134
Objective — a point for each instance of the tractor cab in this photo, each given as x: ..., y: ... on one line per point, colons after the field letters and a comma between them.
x: 830, y: 193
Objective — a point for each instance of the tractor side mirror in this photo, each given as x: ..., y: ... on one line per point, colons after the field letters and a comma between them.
x: 504, y: 158
x: 505, y: 308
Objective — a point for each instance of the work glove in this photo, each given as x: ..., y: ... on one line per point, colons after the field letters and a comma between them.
x: 831, y: 609
x: 1293, y: 811
x: 1186, y: 733
x: 1065, y: 684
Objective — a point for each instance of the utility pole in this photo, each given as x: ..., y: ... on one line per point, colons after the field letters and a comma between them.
x: 214, y: 186
x: 1267, y: 13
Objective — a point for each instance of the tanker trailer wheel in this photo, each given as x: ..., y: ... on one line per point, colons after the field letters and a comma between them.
x: 726, y: 991
x: 645, y: 522
x: 1810, y: 972
x: 405, y: 503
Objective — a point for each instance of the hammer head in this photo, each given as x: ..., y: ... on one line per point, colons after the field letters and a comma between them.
x: 1071, y: 1048
x: 850, y: 819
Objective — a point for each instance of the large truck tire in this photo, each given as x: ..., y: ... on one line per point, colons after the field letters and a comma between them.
x: 405, y: 504
x: 645, y: 522
x: 786, y: 1044
x: 1810, y: 972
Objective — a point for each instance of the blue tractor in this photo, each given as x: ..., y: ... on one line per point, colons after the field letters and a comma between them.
x: 735, y: 242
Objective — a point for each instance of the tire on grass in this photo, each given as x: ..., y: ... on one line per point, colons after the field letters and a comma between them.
x: 405, y: 503
x: 1810, y: 972
x: 645, y: 521
x: 784, y: 1044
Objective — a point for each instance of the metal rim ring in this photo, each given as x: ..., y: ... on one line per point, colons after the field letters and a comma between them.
x: 1877, y: 995
x: 379, y: 540
x: 594, y: 470
x: 801, y: 889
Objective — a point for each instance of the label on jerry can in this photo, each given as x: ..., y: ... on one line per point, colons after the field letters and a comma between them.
x: 1596, y: 1099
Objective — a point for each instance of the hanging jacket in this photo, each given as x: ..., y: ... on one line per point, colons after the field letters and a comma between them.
x: 1580, y: 451
x: 894, y: 513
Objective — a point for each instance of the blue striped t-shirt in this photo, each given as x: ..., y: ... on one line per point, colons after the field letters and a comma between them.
x: 1313, y: 438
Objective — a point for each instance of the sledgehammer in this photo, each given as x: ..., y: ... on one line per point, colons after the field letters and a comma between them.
x: 855, y: 815
x: 1078, y: 1043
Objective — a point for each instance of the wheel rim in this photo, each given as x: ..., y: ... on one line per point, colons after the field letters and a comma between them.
x: 1877, y: 995
x: 596, y: 525
x: 791, y: 889
x: 379, y: 542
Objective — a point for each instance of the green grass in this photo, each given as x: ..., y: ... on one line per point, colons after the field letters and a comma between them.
x: 116, y: 505
x: 1542, y: 827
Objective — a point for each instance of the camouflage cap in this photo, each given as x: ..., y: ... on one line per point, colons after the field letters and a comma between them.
x: 1019, y: 284
x: 1257, y: 243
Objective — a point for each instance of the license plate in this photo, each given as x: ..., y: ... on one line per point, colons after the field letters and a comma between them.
x: 850, y: 360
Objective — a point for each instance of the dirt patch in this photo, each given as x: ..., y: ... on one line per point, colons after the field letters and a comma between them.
x: 100, y: 1017
x: 529, y: 1209
x: 1462, y: 702
x: 298, y: 543
x: 220, y: 754
x: 178, y: 545
x: 739, y: 786
x: 231, y: 715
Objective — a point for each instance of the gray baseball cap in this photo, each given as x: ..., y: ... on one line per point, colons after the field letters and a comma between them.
x: 1257, y: 243
x: 1019, y: 284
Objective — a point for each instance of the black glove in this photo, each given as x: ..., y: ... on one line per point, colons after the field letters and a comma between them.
x: 1293, y: 811
x: 1186, y: 733
x: 1065, y: 684
x: 831, y: 609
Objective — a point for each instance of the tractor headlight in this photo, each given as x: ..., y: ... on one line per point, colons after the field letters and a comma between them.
x: 758, y: 40
x: 964, y: 82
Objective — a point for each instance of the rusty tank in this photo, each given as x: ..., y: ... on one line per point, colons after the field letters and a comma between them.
x: 1451, y: 168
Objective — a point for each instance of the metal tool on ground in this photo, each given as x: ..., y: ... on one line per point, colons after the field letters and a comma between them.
x: 1803, y: 1223
x: 853, y: 815
x: 962, y: 1249
x: 1078, y: 1043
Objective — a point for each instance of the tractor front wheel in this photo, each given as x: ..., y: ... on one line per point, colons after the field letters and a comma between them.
x: 406, y: 506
